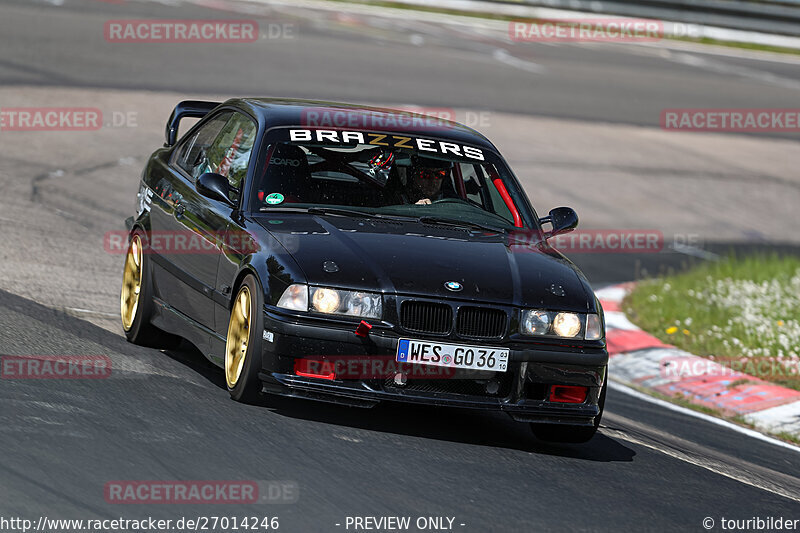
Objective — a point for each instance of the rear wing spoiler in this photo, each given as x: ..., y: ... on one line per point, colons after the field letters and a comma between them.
x: 187, y: 108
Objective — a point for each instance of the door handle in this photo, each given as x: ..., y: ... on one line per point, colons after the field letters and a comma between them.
x: 179, y: 210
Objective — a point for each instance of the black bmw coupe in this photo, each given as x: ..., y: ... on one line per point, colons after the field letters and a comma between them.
x: 354, y: 255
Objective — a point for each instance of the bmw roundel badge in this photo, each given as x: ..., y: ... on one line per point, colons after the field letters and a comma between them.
x: 453, y: 286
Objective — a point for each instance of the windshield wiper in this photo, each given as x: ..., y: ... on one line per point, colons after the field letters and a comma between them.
x: 341, y: 212
x: 285, y: 209
x: 317, y: 211
x: 459, y: 223
x: 355, y: 213
x: 337, y: 211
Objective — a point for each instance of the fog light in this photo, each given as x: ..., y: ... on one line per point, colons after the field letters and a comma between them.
x: 568, y: 394
x: 314, y: 368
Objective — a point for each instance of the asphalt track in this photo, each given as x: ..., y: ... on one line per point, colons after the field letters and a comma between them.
x: 379, y: 60
x: 166, y: 415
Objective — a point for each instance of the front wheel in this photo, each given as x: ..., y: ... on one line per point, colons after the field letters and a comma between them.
x: 243, y: 344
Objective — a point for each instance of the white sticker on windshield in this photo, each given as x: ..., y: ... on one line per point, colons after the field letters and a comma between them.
x: 390, y: 141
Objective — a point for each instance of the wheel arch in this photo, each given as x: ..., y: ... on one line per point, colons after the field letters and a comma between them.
x: 140, y: 223
x: 246, y: 269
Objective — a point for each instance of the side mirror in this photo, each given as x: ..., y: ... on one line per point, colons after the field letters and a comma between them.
x: 563, y: 219
x: 215, y: 186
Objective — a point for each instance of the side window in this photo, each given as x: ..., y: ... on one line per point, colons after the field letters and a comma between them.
x: 471, y: 183
x: 498, y: 205
x: 229, y: 154
x: 481, y: 189
x: 193, y: 152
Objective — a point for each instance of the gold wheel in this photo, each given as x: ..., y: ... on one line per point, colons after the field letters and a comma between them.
x: 238, y: 337
x: 131, y: 283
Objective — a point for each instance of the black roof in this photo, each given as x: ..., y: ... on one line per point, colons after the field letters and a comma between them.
x: 295, y: 112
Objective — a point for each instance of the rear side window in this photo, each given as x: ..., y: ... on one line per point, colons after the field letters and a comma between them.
x: 223, y: 145
x: 192, y: 154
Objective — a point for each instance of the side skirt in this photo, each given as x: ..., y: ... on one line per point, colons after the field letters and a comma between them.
x: 173, y: 321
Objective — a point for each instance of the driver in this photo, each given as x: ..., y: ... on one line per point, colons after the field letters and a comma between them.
x: 426, y: 185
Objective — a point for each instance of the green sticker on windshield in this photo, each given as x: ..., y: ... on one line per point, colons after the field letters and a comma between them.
x: 274, y: 198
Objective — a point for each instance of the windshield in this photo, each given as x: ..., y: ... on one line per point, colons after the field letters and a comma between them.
x: 387, y: 175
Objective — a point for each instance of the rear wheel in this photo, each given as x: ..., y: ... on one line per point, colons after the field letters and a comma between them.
x: 243, y: 344
x: 136, y: 299
x: 572, y: 434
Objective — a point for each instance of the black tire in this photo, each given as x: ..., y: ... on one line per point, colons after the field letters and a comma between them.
x: 141, y: 331
x: 572, y: 434
x: 247, y: 388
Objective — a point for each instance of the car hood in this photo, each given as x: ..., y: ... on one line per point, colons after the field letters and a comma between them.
x: 412, y: 258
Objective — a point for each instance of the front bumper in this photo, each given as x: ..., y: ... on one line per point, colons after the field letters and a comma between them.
x: 522, y: 391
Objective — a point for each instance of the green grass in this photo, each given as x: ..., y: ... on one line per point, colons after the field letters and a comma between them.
x: 788, y: 437
x: 743, y: 313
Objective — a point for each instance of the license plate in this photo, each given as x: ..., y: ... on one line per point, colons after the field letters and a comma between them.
x: 452, y: 355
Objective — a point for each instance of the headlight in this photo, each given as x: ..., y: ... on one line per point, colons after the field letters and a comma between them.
x: 363, y: 304
x: 350, y: 303
x: 561, y: 324
x: 325, y: 300
x: 535, y: 322
x: 295, y: 297
x: 566, y: 324
x: 594, y: 328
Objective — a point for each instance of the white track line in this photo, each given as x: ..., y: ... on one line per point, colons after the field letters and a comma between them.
x: 713, y: 420
x: 766, y: 479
